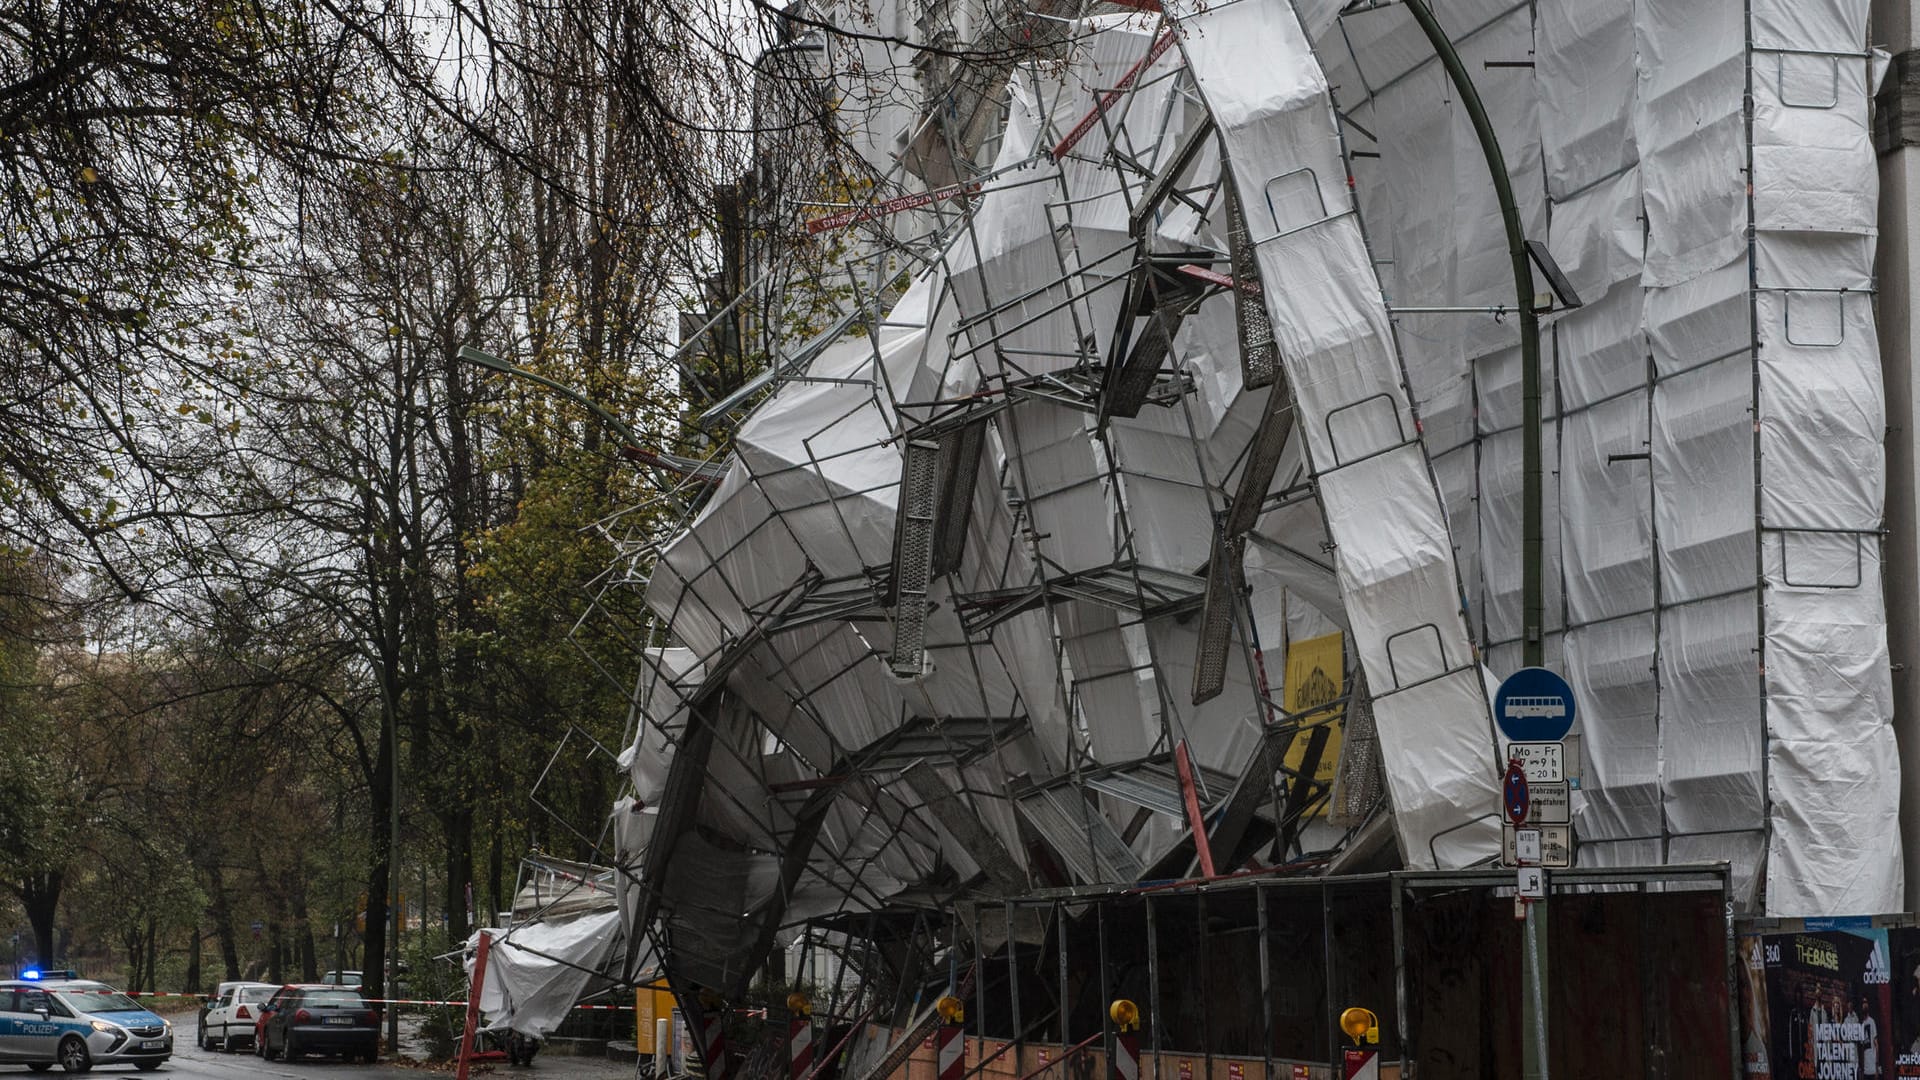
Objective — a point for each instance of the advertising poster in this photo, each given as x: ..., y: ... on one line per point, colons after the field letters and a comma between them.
x: 1315, y: 675
x: 1903, y: 945
x: 1819, y: 1005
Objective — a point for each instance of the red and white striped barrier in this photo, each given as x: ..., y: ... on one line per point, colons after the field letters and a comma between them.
x: 799, y: 1048
x: 713, y: 1042
x: 1126, y: 1042
x: 949, y: 1053
x: 1361, y: 1065
x: 1126, y: 1056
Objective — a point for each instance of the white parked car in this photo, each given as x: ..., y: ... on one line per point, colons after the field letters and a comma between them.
x: 230, y: 1018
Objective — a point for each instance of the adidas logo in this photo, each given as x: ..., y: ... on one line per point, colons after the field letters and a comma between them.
x: 1877, y: 972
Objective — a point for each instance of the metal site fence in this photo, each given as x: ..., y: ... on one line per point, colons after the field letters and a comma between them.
x: 1246, y: 979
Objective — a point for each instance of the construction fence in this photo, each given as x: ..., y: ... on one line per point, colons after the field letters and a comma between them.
x: 1246, y: 979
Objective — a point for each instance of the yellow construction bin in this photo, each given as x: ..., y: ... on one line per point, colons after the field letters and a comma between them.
x: 650, y: 1002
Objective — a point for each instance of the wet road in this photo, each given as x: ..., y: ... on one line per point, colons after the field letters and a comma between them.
x: 191, y: 1061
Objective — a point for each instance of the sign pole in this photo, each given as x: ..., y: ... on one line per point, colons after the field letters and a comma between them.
x: 1535, y: 709
x: 1533, y: 1055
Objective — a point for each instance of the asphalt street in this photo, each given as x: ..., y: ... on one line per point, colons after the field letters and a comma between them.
x: 191, y: 1060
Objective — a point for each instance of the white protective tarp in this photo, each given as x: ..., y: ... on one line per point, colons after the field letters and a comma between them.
x: 1714, y: 409
x: 536, y: 971
x: 1833, y: 784
x: 1257, y: 72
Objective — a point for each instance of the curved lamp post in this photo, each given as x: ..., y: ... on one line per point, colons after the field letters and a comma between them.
x: 1533, y: 638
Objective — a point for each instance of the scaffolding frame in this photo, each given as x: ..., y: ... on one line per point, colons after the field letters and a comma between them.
x: 1014, y: 793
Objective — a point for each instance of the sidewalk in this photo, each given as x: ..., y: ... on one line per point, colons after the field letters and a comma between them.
x: 546, y: 1065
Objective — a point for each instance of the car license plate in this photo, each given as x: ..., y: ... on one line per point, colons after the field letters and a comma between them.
x: 154, y: 1044
x: 339, y: 1019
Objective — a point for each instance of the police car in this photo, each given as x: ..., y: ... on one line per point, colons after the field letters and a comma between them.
x: 77, y: 1024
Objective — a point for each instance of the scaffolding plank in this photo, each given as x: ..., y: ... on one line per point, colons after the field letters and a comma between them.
x: 1214, y: 642
x: 1058, y: 830
x: 1233, y: 837
x: 1080, y: 835
x: 960, y: 451
x: 1136, y: 790
x: 793, y: 863
x: 1133, y: 380
x: 1165, y: 297
x: 1259, y: 356
x: 1301, y: 785
x: 913, y: 555
x: 1358, y: 786
x: 1256, y: 476
x: 897, y: 1054
x: 953, y: 815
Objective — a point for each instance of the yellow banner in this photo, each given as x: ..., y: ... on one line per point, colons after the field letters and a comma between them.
x: 1316, y: 675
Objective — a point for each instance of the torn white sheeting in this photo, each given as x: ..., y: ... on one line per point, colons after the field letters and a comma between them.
x: 1259, y: 76
x: 537, y: 971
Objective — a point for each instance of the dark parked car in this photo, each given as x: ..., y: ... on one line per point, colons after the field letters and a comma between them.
x: 317, y: 1019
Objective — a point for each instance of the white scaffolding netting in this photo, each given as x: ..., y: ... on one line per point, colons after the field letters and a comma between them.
x: 1050, y: 515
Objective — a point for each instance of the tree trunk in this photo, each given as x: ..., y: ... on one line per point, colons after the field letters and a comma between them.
x: 153, y: 954
x: 302, y: 946
x: 380, y: 864
x: 309, y: 958
x: 131, y: 939
x: 458, y: 825
x: 276, y: 966
x: 191, y: 984
x: 221, y: 909
x: 496, y: 870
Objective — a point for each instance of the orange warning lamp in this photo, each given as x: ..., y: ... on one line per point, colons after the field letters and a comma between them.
x: 1125, y: 1013
x: 798, y: 1004
x: 710, y: 999
x: 1360, y: 1024
x: 950, y: 1009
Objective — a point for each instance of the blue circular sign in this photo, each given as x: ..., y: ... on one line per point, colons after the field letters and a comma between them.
x: 1534, y: 705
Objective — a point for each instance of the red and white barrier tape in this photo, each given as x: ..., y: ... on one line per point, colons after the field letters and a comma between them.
x: 462, y: 1004
x: 370, y: 1001
x: 1160, y: 45
x: 760, y: 1013
x: 1207, y: 274
x: 891, y: 206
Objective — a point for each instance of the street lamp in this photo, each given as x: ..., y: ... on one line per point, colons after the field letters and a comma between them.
x: 704, y: 472
x: 1532, y: 607
x: 493, y: 363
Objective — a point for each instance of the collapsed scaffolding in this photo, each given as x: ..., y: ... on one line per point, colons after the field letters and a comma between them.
x: 1143, y: 517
